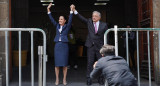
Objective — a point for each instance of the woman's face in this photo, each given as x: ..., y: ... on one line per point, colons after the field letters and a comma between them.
x: 62, y: 21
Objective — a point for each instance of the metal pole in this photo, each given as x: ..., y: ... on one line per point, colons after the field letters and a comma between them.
x: 20, y: 71
x: 105, y: 35
x: 44, y: 50
x: 138, y: 59
x: 105, y: 38
x: 127, y: 47
x: 149, y: 62
x: 106, y: 83
x: 40, y: 53
x: 7, y: 59
x: 32, y: 59
x: 158, y: 71
x: 44, y: 59
x: 116, y: 40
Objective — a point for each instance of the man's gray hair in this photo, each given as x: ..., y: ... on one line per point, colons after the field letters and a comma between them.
x: 97, y: 13
x: 107, y: 50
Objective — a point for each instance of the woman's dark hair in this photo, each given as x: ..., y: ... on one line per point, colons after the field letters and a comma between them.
x: 65, y: 18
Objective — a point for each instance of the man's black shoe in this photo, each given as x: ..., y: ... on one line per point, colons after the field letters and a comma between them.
x: 89, y: 81
x: 101, y: 81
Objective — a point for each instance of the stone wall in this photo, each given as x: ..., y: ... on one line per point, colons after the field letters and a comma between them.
x: 4, y: 23
x: 156, y: 24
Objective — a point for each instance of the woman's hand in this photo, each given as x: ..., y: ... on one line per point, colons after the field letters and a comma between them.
x: 49, y: 6
x: 71, y: 7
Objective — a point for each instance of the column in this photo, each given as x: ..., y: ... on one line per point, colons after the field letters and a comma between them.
x: 156, y: 24
x: 4, y: 23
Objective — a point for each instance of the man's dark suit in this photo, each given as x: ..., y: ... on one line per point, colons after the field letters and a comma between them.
x: 116, y: 71
x: 94, y: 41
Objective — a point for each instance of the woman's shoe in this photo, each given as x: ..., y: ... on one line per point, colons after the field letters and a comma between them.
x: 64, y: 82
x: 56, y: 83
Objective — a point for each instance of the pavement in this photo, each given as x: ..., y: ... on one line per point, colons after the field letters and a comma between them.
x: 74, y: 77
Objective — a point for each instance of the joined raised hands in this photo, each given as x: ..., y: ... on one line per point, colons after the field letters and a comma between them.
x: 72, y: 7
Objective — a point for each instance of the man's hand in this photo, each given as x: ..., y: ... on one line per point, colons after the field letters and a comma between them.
x: 74, y: 8
x: 94, y: 64
x: 49, y: 6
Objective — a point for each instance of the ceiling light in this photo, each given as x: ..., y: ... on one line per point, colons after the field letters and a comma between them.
x: 100, y: 3
x: 46, y: 4
x: 46, y: 0
x: 102, y: 0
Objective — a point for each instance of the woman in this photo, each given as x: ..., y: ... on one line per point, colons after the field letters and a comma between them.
x: 61, y: 43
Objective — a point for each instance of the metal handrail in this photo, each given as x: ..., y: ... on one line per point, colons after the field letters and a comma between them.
x: 32, y: 63
x: 115, y: 29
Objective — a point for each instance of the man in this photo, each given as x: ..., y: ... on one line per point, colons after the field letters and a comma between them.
x: 95, y: 39
x: 131, y: 41
x: 114, y: 68
x: 72, y: 49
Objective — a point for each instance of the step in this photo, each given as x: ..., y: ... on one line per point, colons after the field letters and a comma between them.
x: 147, y: 77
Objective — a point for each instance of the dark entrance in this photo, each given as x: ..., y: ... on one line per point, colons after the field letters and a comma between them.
x: 32, y: 14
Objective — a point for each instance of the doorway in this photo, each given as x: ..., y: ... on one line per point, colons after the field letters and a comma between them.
x: 33, y: 14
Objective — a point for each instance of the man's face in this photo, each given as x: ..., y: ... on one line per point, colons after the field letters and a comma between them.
x: 95, y: 17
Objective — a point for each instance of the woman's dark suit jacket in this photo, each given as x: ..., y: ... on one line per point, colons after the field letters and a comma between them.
x: 65, y: 29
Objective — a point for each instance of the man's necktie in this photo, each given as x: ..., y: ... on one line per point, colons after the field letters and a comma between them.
x: 95, y: 26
